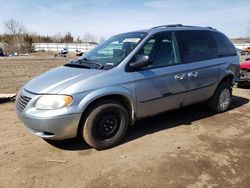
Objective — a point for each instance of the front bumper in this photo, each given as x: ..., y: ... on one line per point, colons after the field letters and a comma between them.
x: 56, y: 128
x: 50, y: 124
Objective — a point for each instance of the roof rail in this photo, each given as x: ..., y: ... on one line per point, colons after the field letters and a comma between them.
x: 211, y: 28
x: 172, y: 25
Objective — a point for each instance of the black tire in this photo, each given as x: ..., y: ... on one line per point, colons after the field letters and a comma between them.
x: 240, y: 84
x: 214, y: 103
x: 105, y: 125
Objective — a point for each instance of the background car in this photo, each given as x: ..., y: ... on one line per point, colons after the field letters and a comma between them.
x: 79, y: 53
x: 240, y: 51
x: 63, y: 52
x: 244, y: 73
x: 1, y: 52
x: 247, y: 50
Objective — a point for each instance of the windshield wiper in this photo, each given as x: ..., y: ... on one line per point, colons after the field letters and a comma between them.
x: 77, y: 65
x: 85, y: 60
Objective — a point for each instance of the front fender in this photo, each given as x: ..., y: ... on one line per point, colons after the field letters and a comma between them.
x: 102, y: 92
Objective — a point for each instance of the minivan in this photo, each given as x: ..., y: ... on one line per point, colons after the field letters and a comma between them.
x: 128, y: 77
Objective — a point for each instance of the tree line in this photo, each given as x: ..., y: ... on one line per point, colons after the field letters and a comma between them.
x: 17, y: 38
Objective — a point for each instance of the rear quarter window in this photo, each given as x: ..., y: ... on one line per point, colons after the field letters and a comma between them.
x: 224, y: 45
x: 196, y: 45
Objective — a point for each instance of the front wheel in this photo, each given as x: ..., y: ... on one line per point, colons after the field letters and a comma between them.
x: 221, y: 99
x: 105, y: 125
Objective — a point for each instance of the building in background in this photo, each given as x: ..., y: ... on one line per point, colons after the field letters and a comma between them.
x: 56, y: 47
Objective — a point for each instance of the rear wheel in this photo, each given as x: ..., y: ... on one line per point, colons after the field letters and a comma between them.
x: 221, y: 99
x: 105, y: 125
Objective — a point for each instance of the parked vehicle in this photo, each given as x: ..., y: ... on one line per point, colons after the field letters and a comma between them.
x: 247, y: 50
x: 128, y: 77
x: 244, y: 73
x: 240, y: 51
x: 79, y: 53
x: 63, y: 52
x: 1, y: 52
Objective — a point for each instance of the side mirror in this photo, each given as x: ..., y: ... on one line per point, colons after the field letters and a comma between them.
x: 143, y: 60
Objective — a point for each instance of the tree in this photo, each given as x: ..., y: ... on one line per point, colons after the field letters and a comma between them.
x: 68, y: 38
x: 14, y: 31
x: 27, y: 46
x: 78, y: 40
x: 88, y: 37
x: 58, y: 38
x: 13, y: 27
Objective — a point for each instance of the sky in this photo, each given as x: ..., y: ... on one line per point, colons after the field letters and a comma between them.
x: 105, y: 18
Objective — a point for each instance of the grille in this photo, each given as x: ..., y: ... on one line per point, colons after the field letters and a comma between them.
x: 21, y: 102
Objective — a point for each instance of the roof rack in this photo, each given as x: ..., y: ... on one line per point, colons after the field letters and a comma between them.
x: 172, y: 25
x: 178, y: 25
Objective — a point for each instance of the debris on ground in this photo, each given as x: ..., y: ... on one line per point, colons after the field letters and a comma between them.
x: 7, y: 98
x: 57, y: 161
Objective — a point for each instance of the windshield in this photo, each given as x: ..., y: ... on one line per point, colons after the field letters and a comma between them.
x: 111, y: 52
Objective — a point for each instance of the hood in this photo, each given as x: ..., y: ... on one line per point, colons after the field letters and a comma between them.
x: 245, y: 65
x: 58, y: 79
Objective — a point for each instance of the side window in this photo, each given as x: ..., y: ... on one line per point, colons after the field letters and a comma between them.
x: 224, y: 45
x: 196, y: 46
x: 161, y: 49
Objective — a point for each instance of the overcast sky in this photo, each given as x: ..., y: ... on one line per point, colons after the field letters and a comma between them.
x: 109, y: 17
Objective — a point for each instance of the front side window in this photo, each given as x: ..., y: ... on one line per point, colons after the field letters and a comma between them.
x: 161, y: 49
x: 114, y: 50
x: 196, y: 45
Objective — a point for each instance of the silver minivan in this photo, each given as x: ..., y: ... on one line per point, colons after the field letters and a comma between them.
x: 128, y: 77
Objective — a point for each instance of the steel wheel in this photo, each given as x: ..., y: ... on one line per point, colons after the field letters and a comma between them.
x: 225, y: 99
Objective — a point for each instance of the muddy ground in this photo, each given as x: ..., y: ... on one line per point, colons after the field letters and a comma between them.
x: 190, y: 147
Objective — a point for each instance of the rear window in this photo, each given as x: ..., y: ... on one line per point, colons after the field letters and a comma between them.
x: 224, y: 45
x: 196, y: 45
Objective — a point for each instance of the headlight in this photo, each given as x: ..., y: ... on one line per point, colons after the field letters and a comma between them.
x: 53, y: 102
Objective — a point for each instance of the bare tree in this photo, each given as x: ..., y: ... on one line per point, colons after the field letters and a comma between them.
x: 68, y: 38
x: 88, y: 37
x: 58, y: 38
x: 14, y: 30
x: 13, y: 27
x: 78, y: 40
x: 26, y: 45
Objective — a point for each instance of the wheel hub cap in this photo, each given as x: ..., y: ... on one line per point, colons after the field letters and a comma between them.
x: 225, y: 99
x: 108, y: 125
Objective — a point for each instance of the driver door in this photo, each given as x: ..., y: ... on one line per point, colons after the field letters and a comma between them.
x: 161, y: 85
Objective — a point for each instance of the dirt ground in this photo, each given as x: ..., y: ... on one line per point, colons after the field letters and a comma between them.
x: 190, y: 147
x: 16, y: 71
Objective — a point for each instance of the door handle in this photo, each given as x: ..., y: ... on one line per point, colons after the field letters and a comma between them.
x: 193, y: 74
x: 179, y: 76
